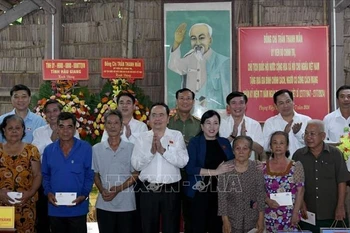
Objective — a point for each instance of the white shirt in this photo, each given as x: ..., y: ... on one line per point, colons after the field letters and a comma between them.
x: 195, y: 69
x: 252, y: 126
x: 157, y: 168
x: 136, y: 128
x: 42, y: 137
x: 277, y: 123
x: 334, y: 125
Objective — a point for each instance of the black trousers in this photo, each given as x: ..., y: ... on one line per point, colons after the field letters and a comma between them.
x: 162, y: 203
x: 42, y: 217
x: 115, y: 222
x: 204, y: 213
x: 137, y: 218
x: 68, y: 224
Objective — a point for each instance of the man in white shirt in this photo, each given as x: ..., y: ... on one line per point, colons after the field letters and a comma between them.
x: 237, y: 123
x: 159, y: 154
x: 287, y: 120
x: 337, y: 123
x: 132, y: 127
x: 47, y: 134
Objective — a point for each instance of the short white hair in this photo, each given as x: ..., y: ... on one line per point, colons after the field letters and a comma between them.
x: 317, y: 122
x: 210, y: 30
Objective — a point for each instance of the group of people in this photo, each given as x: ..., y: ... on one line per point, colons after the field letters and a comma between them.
x: 207, y: 169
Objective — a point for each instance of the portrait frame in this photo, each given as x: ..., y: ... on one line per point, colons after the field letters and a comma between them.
x: 219, y: 15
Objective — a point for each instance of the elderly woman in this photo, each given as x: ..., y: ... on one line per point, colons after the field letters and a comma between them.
x: 282, y: 175
x: 242, y: 191
x: 19, y: 172
x: 207, y: 154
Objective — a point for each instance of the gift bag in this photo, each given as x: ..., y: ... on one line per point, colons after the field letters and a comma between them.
x: 334, y: 229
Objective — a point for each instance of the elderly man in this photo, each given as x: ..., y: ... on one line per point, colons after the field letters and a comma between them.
x: 239, y: 124
x: 115, y: 205
x: 287, y: 120
x: 20, y: 99
x: 159, y: 154
x: 204, y: 71
x: 67, y: 178
x: 325, y: 178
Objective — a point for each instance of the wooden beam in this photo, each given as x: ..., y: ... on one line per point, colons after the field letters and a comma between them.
x: 20, y: 10
x: 47, y: 5
x: 5, y: 6
x: 341, y: 5
x: 54, y: 32
x: 131, y: 29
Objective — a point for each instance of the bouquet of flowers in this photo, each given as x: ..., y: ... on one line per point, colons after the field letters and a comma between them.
x: 108, y: 101
x: 344, y: 147
x: 72, y: 98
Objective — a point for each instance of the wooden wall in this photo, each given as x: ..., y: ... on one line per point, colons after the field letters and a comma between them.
x: 92, y: 30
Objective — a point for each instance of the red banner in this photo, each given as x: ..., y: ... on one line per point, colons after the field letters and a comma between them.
x: 294, y: 58
x: 63, y: 69
x: 122, y: 68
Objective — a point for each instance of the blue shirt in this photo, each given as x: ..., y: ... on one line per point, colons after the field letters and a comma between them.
x: 31, y: 122
x: 68, y: 174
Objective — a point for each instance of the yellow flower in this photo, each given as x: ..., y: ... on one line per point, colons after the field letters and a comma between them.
x: 102, y: 126
x: 113, y: 106
x: 97, y: 132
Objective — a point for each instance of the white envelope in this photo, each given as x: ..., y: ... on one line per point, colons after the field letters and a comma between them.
x: 65, y: 198
x: 311, y: 218
x: 13, y: 196
x: 283, y: 199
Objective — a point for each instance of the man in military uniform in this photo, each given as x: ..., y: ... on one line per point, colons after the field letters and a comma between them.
x: 189, y: 126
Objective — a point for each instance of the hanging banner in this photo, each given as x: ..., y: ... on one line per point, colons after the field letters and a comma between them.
x: 122, y: 68
x: 63, y: 69
x: 293, y: 58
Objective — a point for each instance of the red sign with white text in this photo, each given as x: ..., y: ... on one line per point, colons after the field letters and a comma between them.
x: 122, y: 68
x: 63, y: 69
x: 293, y: 58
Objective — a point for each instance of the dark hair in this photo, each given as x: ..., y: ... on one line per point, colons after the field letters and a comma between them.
x: 20, y: 87
x: 344, y: 87
x: 66, y: 116
x: 208, y: 114
x: 183, y: 90
x: 161, y: 104
x: 236, y: 94
x: 59, y: 105
x: 286, y: 137
x: 241, y: 137
x: 113, y: 112
x: 280, y: 92
x: 9, y: 118
x: 131, y: 96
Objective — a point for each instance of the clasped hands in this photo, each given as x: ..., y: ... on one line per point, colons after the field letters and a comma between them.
x: 157, y: 145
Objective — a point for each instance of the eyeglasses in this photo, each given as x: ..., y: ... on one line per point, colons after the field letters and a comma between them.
x: 310, y: 134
